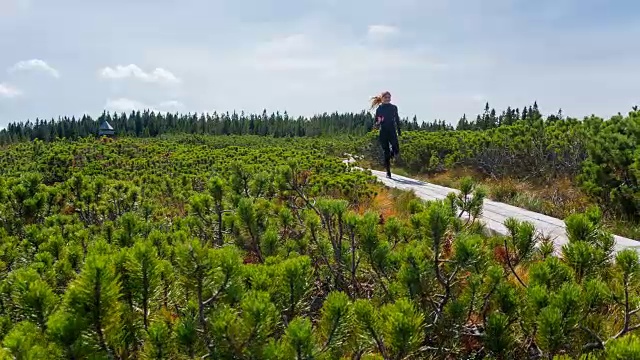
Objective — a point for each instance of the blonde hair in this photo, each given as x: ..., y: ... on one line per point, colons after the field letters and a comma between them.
x: 377, y: 100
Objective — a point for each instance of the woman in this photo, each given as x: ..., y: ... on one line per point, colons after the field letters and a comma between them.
x: 388, y: 121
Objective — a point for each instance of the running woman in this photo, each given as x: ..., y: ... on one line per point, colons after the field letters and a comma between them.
x: 388, y: 121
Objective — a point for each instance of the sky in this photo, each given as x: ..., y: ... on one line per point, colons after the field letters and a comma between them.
x: 438, y: 58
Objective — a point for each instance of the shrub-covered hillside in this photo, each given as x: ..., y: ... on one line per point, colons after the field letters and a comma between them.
x: 599, y: 157
x: 259, y: 248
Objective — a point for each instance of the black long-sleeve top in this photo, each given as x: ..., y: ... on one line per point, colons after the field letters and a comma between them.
x: 387, y: 117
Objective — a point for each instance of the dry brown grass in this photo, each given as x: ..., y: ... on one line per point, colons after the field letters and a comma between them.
x: 523, y: 274
x: 558, y: 199
x: 451, y: 178
x: 388, y: 203
x: 68, y: 210
x: 382, y: 203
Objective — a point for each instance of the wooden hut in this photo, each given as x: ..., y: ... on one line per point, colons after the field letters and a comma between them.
x: 106, y: 129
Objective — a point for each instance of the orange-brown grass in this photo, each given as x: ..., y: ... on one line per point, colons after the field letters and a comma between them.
x: 523, y: 274
x: 470, y: 343
x: 68, y: 210
x: 451, y: 178
x: 250, y: 258
x: 403, y: 201
x: 447, y: 245
x: 175, y: 208
x: 475, y: 318
x: 500, y: 255
x: 388, y: 203
x: 382, y: 203
x: 558, y: 198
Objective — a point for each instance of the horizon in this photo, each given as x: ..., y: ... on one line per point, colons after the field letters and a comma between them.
x: 439, y: 60
x: 470, y: 117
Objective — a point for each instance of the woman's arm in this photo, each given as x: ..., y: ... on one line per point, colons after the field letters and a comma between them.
x: 397, y: 119
x: 377, y: 119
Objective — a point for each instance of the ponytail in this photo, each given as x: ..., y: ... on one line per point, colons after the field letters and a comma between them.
x: 377, y: 100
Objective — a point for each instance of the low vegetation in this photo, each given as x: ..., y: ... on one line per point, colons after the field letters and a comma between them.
x: 174, y: 242
x: 253, y: 248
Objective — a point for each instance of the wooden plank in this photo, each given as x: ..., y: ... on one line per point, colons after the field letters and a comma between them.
x: 495, y: 213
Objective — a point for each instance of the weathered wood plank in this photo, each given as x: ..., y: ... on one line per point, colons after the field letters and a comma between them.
x: 495, y: 213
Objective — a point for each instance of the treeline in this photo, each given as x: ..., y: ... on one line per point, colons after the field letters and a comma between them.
x: 151, y: 124
x: 490, y: 119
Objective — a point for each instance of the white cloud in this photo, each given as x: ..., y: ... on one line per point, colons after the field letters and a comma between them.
x: 34, y: 65
x: 158, y: 75
x: 478, y: 98
x: 171, y: 105
x: 8, y: 91
x: 381, y: 32
x: 296, y: 43
x: 127, y: 105
x: 331, y: 56
x: 283, y: 53
x: 310, y: 71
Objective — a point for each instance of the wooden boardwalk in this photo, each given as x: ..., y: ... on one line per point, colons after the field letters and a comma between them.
x: 495, y: 213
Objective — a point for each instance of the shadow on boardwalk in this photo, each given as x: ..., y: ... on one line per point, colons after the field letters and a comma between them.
x: 410, y: 182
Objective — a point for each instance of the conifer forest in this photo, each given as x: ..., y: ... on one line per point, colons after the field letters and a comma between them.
x: 244, y: 236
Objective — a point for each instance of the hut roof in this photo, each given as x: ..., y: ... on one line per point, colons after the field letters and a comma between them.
x: 105, y: 126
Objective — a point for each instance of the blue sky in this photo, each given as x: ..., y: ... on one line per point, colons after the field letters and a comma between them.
x: 439, y: 58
